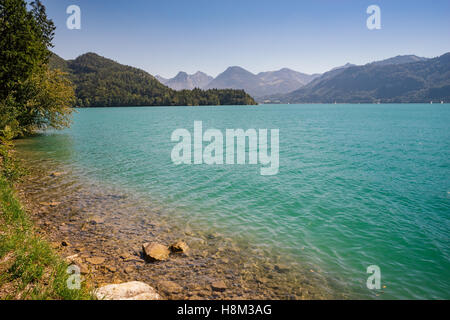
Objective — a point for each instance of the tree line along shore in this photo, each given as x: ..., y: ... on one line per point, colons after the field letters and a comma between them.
x: 32, y: 97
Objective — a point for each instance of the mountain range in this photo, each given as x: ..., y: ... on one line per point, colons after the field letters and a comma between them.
x: 103, y: 82
x: 257, y: 85
x: 391, y: 80
x: 402, y: 79
x: 184, y: 81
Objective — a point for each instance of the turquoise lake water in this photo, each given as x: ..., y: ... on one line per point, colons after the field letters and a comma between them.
x: 358, y: 185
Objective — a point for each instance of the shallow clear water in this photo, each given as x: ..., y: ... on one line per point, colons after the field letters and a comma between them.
x: 359, y: 185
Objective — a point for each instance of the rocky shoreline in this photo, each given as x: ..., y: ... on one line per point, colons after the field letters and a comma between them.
x: 114, y: 241
x: 101, y: 261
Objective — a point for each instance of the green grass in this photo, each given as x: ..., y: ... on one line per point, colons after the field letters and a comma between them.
x: 29, y: 268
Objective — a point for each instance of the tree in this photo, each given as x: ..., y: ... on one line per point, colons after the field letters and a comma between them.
x: 31, y: 96
x: 24, y: 40
x: 50, y: 96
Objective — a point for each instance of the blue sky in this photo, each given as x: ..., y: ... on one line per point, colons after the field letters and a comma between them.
x: 313, y: 36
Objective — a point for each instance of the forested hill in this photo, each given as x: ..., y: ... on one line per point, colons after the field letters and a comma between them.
x: 414, y: 82
x: 101, y: 82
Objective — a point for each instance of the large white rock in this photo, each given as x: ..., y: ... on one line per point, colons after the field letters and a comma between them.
x: 134, y: 290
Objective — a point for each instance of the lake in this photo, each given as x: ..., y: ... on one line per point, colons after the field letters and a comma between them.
x: 358, y: 185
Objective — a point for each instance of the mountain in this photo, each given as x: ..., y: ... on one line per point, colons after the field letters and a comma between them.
x: 337, y: 70
x: 345, y: 66
x: 282, y: 97
x: 237, y: 77
x: 56, y: 62
x: 399, y: 60
x: 101, y: 82
x: 284, y: 80
x: 184, y: 81
x: 333, y: 72
x: 262, y: 84
x: 390, y: 81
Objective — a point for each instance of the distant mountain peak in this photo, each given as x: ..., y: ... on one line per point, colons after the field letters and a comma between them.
x: 182, y: 73
x: 345, y: 66
x: 183, y: 81
x: 236, y: 69
x: 264, y: 83
x: 90, y: 54
x: 199, y: 73
x: 400, y: 59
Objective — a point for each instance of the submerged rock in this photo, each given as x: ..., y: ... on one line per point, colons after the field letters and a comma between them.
x: 95, y: 260
x: 77, y: 261
x: 83, y: 268
x: 111, y: 268
x: 179, y: 247
x: 51, y: 204
x: 125, y: 256
x: 219, y: 286
x: 134, y: 290
x: 96, y: 220
x: 65, y: 243
x: 155, y: 251
x: 129, y: 270
x: 72, y: 259
x: 170, y: 286
x: 281, y: 268
x: 56, y: 174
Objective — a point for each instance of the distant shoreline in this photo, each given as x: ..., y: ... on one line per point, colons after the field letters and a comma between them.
x: 272, y: 104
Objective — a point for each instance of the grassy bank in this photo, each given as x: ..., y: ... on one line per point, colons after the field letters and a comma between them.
x: 29, y: 268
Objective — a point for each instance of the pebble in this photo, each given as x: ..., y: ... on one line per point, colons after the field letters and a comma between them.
x: 219, y: 286
x: 170, y: 286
